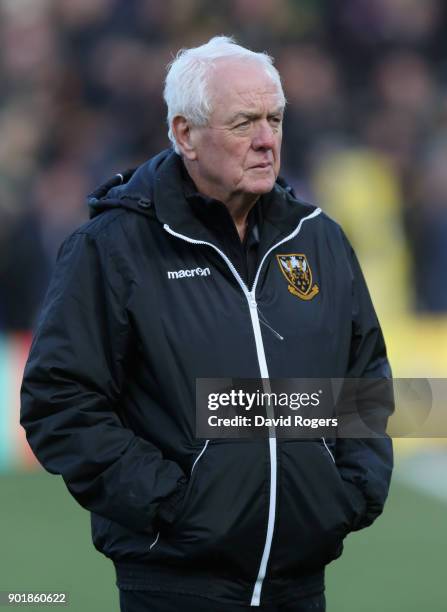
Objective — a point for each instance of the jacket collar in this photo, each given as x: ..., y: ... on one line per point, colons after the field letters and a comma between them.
x: 281, y: 211
x: 157, y: 188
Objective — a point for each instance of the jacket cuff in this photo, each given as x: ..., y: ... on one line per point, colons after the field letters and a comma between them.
x: 169, y: 509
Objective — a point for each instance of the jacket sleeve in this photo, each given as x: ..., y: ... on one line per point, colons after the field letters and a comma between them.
x: 70, y: 396
x: 366, y: 463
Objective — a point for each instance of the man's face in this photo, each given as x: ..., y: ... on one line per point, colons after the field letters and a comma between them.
x: 238, y: 152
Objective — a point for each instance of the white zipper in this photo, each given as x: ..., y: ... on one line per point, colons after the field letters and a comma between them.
x: 251, y: 299
x: 256, y: 595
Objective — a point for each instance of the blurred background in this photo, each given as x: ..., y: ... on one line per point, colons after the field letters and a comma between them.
x: 365, y: 137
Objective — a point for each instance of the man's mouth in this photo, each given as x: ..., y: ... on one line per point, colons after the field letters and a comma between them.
x: 266, y: 164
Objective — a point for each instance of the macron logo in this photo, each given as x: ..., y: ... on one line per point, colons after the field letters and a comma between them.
x: 189, y: 273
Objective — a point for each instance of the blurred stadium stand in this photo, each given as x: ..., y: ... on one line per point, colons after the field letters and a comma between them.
x: 365, y: 136
x: 365, y: 130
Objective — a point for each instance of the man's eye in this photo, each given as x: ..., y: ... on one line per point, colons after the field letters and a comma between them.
x: 242, y: 124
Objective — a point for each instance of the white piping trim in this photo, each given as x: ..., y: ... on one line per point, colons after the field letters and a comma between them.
x: 210, y: 244
x: 295, y: 232
x: 198, y: 456
x: 328, y: 450
x: 192, y: 469
x: 121, y: 176
x: 251, y: 299
x: 155, y: 541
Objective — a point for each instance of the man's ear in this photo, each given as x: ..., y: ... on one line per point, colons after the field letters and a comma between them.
x: 182, y: 132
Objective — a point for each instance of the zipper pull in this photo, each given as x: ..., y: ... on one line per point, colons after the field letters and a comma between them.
x: 264, y: 321
x: 274, y: 332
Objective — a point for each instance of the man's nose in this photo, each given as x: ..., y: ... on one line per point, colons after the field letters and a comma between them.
x: 263, y: 137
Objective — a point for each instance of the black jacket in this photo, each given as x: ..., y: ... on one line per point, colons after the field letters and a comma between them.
x: 108, y: 396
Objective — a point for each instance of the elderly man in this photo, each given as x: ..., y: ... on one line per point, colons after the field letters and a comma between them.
x: 203, y: 264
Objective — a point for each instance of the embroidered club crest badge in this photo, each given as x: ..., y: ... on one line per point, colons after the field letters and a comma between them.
x: 296, y: 270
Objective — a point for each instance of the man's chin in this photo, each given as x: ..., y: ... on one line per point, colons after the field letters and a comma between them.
x: 262, y: 186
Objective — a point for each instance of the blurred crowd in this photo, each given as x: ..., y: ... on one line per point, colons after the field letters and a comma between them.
x: 365, y: 132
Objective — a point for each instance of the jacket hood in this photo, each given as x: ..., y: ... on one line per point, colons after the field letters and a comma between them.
x: 134, y: 188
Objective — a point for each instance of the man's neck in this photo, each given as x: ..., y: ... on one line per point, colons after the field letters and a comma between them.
x: 238, y: 204
x: 239, y: 211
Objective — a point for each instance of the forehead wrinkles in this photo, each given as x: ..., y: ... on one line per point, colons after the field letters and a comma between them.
x: 251, y: 100
x: 244, y: 85
x: 259, y: 97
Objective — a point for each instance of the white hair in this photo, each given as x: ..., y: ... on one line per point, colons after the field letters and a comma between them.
x: 186, y: 92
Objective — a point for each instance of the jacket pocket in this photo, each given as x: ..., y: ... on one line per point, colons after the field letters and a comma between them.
x: 315, y: 509
x: 222, y: 520
x: 118, y: 542
x: 193, y: 475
